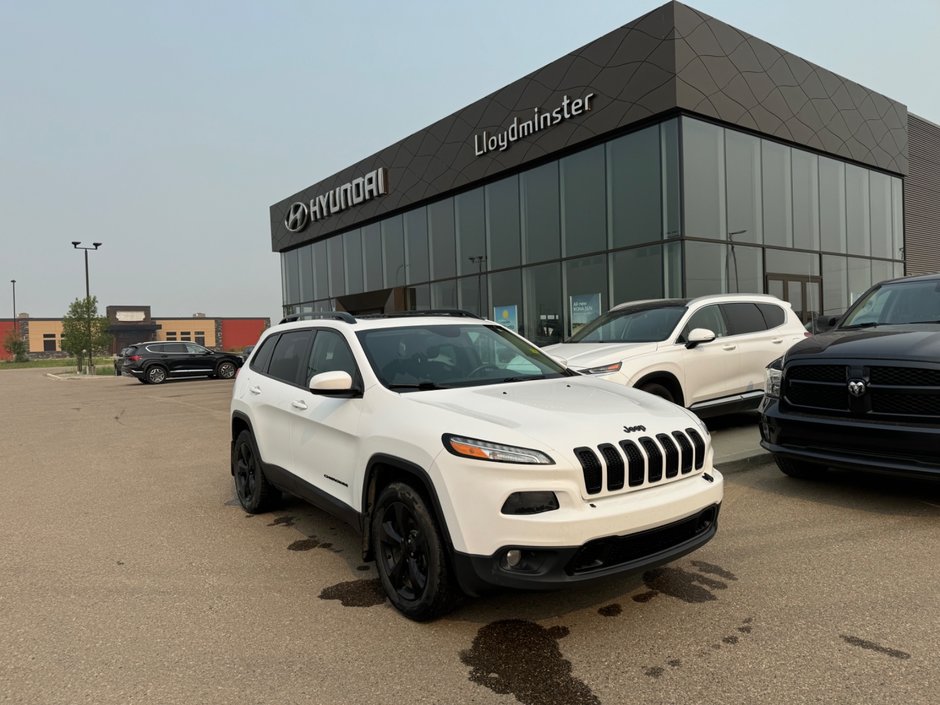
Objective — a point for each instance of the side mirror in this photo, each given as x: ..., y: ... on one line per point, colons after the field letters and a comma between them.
x: 698, y: 336
x: 336, y: 383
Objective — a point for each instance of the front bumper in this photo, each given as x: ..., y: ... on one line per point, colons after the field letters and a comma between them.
x: 896, y: 448
x: 544, y: 568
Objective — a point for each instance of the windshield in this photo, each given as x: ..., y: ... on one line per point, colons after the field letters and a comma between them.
x: 631, y: 325
x: 453, y: 355
x: 896, y: 304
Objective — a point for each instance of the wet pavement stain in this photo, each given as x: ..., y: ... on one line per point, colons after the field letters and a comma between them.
x: 745, y: 629
x: 303, y: 545
x: 645, y: 596
x: 283, y: 521
x: 521, y: 658
x: 356, y: 593
x: 657, y: 671
x: 872, y: 646
x: 685, y: 585
x: 713, y: 569
x: 610, y: 610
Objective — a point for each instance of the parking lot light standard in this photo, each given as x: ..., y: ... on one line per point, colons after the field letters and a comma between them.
x: 90, y: 368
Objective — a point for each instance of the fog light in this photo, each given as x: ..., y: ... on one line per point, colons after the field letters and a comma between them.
x: 530, y: 503
x: 705, y: 520
x: 513, y: 558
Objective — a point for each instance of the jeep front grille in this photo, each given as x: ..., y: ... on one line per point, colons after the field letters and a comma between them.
x: 644, y: 461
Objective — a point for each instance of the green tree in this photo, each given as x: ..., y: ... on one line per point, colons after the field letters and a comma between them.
x: 16, y: 346
x: 84, y: 330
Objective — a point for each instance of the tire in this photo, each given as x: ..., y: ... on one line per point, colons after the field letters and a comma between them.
x: 225, y: 370
x: 410, y: 555
x: 143, y: 380
x: 658, y: 390
x: 156, y: 374
x: 799, y: 469
x: 254, y: 492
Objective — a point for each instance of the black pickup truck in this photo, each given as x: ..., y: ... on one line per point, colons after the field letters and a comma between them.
x: 866, y: 394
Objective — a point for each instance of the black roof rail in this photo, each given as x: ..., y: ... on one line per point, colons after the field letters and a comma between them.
x: 332, y: 315
x: 456, y: 312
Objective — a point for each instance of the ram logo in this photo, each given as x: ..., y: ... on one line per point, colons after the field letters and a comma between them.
x: 857, y: 387
x: 633, y: 429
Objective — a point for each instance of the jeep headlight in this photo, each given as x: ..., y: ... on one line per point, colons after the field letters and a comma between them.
x: 494, y: 452
x: 603, y: 369
x: 773, y: 379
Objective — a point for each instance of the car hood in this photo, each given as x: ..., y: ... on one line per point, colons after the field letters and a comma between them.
x: 921, y: 342
x: 584, y: 355
x: 554, y: 413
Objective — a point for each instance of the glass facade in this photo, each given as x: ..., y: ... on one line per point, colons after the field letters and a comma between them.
x: 680, y: 208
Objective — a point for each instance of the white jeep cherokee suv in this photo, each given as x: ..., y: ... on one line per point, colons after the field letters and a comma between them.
x: 466, y: 457
x: 707, y: 354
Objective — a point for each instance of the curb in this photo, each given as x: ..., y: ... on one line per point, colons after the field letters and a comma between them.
x: 739, y: 462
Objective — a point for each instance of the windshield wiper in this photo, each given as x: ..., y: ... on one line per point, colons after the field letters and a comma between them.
x: 419, y: 386
x: 915, y: 323
x: 866, y: 324
x: 522, y: 378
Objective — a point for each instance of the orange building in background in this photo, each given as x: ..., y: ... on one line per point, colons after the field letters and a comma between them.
x: 133, y: 324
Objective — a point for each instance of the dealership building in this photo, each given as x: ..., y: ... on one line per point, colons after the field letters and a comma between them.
x: 674, y: 157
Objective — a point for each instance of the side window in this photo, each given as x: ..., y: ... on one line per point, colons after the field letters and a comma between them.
x: 174, y: 348
x: 330, y: 353
x: 773, y: 315
x: 259, y: 363
x: 194, y: 349
x: 289, y: 355
x: 743, y: 318
x: 709, y: 317
x: 157, y: 348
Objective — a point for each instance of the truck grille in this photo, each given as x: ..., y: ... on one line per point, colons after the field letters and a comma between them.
x: 645, y: 461
x: 892, y: 391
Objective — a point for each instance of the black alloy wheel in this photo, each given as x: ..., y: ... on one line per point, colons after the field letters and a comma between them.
x: 410, y: 555
x: 156, y: 374
x: 252, y: 488
x: 225, y: 370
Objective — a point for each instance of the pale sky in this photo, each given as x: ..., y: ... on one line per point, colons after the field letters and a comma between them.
x: 165, y: 130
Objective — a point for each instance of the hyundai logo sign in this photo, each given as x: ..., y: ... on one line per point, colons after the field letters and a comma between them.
x: 297, y: 217
x: 353, y: 193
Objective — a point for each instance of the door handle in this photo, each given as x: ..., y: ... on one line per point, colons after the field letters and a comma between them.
x: 729, y: 347
x: 299, y: 404
x: 777, y: 341
x: 254, y: 390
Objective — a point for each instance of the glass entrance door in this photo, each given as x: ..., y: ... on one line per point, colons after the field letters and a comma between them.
x: 801, y: 290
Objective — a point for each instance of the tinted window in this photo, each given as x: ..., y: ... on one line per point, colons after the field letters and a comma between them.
x: 330, y: 353
x: 773, y: 315
x: 709, y: 318
x: 260, y: 361
x: 194, y: 349
x: 743, y: 318
x: 175, y: 348
x: 289, y: 354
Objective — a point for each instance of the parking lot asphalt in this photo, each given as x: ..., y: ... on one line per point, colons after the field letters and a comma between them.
x: 129, y: 574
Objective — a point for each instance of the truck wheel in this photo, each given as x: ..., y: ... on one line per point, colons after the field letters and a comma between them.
x: 410, y: 555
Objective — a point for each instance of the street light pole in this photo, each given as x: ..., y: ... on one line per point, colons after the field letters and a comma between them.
x: 94, y: 246
x: 13, y: 282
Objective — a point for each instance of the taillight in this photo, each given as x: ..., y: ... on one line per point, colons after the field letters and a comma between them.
x: 134, y: 358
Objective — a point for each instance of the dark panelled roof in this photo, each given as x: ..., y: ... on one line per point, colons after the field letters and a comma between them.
x: 671, y: 58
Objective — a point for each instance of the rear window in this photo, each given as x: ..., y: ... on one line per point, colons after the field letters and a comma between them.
x: 743, y: 318
x: 259, y: 363
x: 773, y: 315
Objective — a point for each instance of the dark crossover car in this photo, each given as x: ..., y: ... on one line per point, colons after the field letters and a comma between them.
x: 866, y: 394
x: 156, y: 361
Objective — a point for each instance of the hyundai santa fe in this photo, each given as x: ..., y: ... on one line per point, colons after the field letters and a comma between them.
x: 707, y: 354
x: 466, y: 457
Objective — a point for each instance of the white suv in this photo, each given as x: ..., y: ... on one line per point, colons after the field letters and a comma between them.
x: 466, y: 457
x: 707, y: 354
